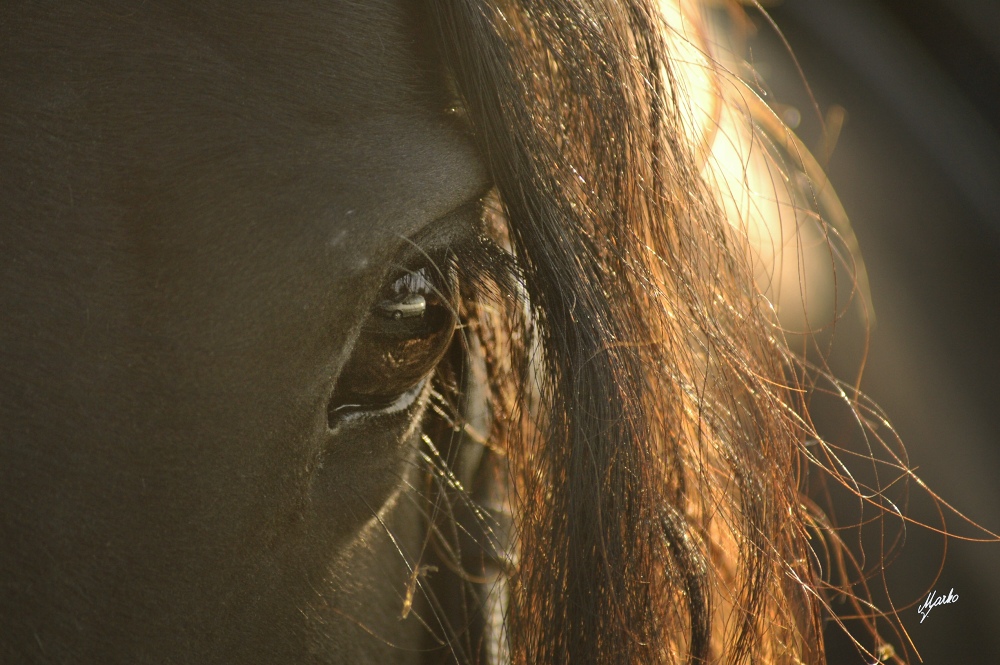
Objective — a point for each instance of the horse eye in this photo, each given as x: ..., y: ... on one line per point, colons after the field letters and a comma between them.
x: 402, y: 340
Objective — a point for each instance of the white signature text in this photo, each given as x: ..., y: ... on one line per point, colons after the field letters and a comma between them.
x: 933, y: 600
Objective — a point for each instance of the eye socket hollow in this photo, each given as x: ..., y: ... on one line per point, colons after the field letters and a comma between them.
x: 406, y: 333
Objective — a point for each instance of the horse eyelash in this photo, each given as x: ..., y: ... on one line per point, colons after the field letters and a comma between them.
x: 486, y: 270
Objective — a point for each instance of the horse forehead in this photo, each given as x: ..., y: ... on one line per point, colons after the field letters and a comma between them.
x: 347, y: 58
x: 324, y: 60
x: 346, y: 96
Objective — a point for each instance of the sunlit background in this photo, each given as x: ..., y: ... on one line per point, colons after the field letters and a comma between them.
x: 902, y: 112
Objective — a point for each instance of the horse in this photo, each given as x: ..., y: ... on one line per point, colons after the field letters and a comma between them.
x: 382, y: 332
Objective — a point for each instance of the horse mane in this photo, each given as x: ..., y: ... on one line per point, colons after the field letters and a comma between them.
x: 647, y: 407
x: 649, y: 431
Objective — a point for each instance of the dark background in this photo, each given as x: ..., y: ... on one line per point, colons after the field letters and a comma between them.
x: 917, y: 167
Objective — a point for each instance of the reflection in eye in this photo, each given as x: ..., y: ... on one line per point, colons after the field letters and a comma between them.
x: 404, y: 337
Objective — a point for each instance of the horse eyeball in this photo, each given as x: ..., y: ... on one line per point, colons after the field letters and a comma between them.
x: 404, y: 337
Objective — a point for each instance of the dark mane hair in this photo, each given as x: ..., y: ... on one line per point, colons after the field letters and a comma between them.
x: 653, y: 441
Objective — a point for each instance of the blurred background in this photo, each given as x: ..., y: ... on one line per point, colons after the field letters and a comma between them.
x: 910, y: 94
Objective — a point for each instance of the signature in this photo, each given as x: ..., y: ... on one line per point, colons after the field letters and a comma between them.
x: 933, y: 600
